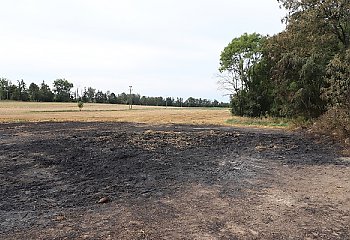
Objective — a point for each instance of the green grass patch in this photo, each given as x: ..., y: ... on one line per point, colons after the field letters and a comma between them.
x: 264, y: 122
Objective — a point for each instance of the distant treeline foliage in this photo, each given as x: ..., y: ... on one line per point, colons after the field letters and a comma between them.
x: 300, y: 72
x: 61, y: 92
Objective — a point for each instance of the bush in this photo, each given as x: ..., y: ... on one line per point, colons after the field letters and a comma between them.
x: 336, y: 123
x: 80, y: 105
x: 250, y: 104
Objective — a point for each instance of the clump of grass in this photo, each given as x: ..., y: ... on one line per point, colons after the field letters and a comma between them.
x: 301, y: 123
x: 263, y: 122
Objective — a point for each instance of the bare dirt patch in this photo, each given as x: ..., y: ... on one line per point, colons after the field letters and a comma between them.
x: 169, y: 182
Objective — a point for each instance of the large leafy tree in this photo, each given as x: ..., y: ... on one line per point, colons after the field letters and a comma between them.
x: 22, y: 93
x: 323, y: 17
x: 244, y: 73
x: 89, y: 95
x: 100, y: 97
x: 237, y: 59
x: 338, y: 78
x: 316, y: 31
x: 45, y: 93
x: 62, y: 90
x: 4, y: 88
x: 298, y: 75
x: 34, y: 92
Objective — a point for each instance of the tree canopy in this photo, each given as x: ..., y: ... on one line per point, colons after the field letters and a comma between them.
x: 62, y: 90
x: 62, y: 93
x: 299, y: 72
x: 237, y: 59
x: 243, y: 74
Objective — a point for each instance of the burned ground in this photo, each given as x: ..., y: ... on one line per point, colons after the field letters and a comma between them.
x: 169, y: 182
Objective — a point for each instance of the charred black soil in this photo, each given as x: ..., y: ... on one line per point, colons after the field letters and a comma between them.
x: 169, y: 182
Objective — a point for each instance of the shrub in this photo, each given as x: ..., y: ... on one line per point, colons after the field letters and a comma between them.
x: 80, y: 105
x: 336, y: 123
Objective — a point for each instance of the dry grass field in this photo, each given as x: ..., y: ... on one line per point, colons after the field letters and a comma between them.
x: 42, y: 112
x: 11, y: 111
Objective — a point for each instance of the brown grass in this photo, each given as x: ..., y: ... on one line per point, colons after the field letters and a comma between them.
x: 335, y: 123
x: 40, y: 112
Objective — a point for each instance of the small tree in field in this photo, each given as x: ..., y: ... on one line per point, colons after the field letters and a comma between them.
x: 80, y: 105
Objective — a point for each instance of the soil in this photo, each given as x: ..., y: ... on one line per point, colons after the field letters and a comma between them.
x: 131, y: 181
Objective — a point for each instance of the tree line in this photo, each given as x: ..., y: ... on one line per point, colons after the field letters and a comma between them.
x: 62, y: 92
x: 304, y: 71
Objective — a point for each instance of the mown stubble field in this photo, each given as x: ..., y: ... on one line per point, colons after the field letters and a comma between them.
x: 43, y: 112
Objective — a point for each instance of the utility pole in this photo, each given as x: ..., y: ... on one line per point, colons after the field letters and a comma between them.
x: 130, y: 98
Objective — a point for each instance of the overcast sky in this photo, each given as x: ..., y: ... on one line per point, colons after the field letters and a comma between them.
x: 160, y: 47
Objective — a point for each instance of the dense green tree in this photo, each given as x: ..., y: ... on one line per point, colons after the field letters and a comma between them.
x: 62, y: 90
x: 237, y: 59
x: 143, y: 101
x: 4, y: 89
x: 244, y: 72
x: 169, y: 101
x: 34, y: 92
x: 10, y: 91
x: 100, y: 97
x: 316, y: 31
x: 112, y: 98
x: 13, y: 92
x: 22, y: 93
x: 298, y: 76
x: 321, y: 18
x: 257, y: 98
x: 136, y: 99
x: 123, y: 98
x: 338, y: 79
x: 179, y: 102
x: 84, y: 97
x: 190, y: 102
x: 45, y: 93
x: 90, y: 94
